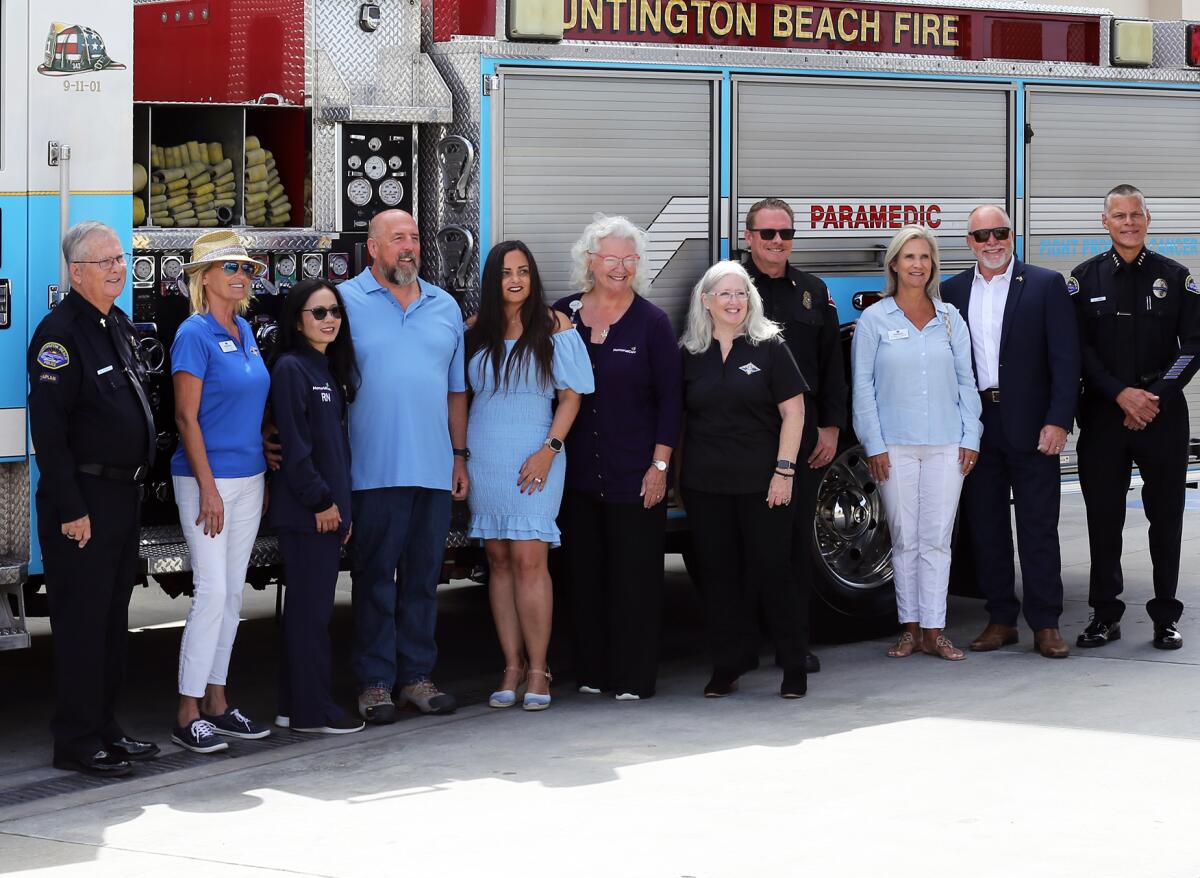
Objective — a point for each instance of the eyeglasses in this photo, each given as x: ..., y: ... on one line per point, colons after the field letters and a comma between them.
x: 107, y: 263
x: 769, y: 234
x: 731, y: 295
x: 629, y: 263
x: 1000, y: 233
x: 248, y: 268
x: 321, y: 312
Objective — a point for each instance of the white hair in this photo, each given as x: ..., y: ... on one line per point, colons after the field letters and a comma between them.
x: 1004, y: 213
x: 600, y: 228
x: 699, y: 332
x: 74, y: 242
x: 933, y: 288
x: 1124, y: 190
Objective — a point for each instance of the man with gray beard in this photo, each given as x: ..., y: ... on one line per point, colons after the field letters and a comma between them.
x: 1025, y: 347
x: 408, y: 431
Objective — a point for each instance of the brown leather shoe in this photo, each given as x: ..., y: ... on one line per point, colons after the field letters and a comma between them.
x: 1050, y: 643
x: 993, y: 637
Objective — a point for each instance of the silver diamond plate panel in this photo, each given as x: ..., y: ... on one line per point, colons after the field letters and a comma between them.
x: 12, y: 571
x: 1106, y: 41
x: 325, y: 188
x: 254, y: 239
x: 1170, y: 44
x: 14, y: 510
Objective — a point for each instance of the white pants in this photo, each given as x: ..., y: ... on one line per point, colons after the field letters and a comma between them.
x: 920, y: 499
x: 218, y: 577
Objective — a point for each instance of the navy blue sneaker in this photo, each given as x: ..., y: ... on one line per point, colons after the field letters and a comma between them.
x: 199, y: 736
x: 235, y: 724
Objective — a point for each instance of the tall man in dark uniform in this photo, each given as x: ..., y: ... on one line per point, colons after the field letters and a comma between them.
x: 801, y: 303
x: 1139, y: 315
x: 94, y: 437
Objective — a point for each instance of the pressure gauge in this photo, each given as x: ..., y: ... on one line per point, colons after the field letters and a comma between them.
x: 172, y: 265
x: 395, y: 163
x: 354, y: 162
x: 359, y: 191
x: 285, y: 265
x: 339, y: 264
x: 374, y: 144
x: 313, y: 264
x: 375, y: 167
x: 143, y: 268
x: 391, y: 192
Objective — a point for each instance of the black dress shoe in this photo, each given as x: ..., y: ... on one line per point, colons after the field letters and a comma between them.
x: 128, y: 748
x: 812, y: 664
x: 100, y: 763
x: 1167, y: 636
x: 795, y: 684
x: 1098, y: 634
x: 722, y: 682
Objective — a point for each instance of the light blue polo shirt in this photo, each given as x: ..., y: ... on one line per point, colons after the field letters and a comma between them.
x: 409, y: 360
x: 236, y: 385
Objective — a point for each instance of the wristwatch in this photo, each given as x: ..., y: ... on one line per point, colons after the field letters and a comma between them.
x: 786, y: 465
x: 464, y: 453
x: 660, y: 465
x: 555, y: 445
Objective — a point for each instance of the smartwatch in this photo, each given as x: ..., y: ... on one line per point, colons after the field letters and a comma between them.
x: 555, y: 445
x: 660, y: 465
x: 464, y: 453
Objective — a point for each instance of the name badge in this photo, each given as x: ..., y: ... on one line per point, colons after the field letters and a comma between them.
x: 894, y: 334
x: 1097, y: 298
x: 104, y: 370
x: 228, y: 346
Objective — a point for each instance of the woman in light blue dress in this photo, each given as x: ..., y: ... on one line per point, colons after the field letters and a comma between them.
x: 521, y: 357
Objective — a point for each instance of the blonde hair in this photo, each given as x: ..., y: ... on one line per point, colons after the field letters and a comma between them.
x: 756, y: 327
x: 600, y: 228
x: 933, y: 288
x: 199, y: 298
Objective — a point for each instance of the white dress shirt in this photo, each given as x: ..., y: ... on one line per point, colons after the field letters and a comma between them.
x: 986, y: 313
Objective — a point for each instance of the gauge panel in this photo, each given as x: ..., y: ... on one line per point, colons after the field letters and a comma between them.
x: 377, y: 168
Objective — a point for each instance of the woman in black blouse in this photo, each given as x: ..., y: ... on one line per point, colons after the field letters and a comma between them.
x: 744, y: 416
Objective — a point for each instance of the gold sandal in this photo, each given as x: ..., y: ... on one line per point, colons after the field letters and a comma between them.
x: 944, y: 649
x: 905, y: 646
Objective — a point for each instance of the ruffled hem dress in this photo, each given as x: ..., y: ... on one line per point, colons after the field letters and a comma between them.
x: 505, y: 427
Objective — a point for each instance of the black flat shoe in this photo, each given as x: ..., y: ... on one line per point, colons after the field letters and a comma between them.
x: 812, y: 664
x: 101, y: 763
x: 1167, y: 637
x: 1098, y: 634
x: 722, y: 682
x: 128, y: 748
x: 795, y: 684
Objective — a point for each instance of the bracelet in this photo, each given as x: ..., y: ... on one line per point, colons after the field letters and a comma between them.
x: 781, y: 473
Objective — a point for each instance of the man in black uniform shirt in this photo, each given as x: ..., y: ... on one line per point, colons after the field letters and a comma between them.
x: 1139, y: 315
x: 801, y: 303
x: 93, y: 434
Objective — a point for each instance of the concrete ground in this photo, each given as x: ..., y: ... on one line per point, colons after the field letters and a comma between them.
x: 1006, y: 763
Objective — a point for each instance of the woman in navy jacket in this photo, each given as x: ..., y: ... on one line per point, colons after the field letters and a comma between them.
x: 313, y: 379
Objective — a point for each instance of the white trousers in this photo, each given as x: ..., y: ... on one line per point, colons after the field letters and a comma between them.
x: 218, y: 577
x: 920, y: 499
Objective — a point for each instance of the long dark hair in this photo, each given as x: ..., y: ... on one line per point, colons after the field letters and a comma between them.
x: 340, y: 353
x: 536, y: 343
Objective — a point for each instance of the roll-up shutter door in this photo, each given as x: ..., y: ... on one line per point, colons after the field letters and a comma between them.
x: 1085, y: 141
x: 856, y: 161
x: 573, y: 145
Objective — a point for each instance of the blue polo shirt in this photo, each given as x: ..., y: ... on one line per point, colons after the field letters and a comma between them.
x: 236, y: 384
x: 409, y: 359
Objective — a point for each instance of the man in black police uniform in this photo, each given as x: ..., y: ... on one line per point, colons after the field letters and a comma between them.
x: 93, y: 433
x: 1140, y: 318
x: 801, y: 303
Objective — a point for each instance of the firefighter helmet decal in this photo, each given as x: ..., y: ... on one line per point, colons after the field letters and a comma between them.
x: 72, y: 49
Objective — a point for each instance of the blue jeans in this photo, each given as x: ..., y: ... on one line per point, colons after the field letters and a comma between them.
x: 396, y: 561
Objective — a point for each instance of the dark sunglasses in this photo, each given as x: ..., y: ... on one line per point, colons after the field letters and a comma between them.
x: 769, y: 234
x: 1001, y: 233
x: 231, y: 268
x: 321, y: 312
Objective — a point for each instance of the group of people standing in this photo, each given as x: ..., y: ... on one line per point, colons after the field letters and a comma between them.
x: 384, y: 407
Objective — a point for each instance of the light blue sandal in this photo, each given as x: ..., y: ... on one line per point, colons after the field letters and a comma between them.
x: 508, y: 697
x: 534, y: 701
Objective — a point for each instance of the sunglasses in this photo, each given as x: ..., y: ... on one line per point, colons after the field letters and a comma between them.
x: 249, y: 269
x: 321, y: 312
x: 1000, y: 233
x: 769, y: 234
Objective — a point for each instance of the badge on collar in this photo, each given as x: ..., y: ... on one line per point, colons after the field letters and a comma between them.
x: 1159, y: 288
x: 1072, y: 286
x: 750, y: 368
x: 806, y: 300
x: 1190, y: 285
x: 53, y: 355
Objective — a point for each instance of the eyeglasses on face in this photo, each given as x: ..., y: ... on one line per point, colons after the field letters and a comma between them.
x: 629, y: 263
x: 769, y: 234
x: 731, y: 295
x: 107, y: 263
x: 232, y: 267
x: 321, y: 312
x: 1000, y: 233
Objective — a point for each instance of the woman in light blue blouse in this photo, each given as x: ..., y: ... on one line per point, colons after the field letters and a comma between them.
x: 916, y: 412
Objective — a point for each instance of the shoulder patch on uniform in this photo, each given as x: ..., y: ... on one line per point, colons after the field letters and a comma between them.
x: 1072, y: 285
x: 53, y: 355
x: 1190, y: 285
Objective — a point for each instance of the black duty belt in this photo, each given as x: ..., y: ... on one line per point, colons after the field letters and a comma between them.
x: 115, y: 474
x: 992, y: 394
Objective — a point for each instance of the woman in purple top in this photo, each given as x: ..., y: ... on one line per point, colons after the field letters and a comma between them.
x: 614, y: 511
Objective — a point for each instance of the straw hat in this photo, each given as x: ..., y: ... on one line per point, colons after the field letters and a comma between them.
x: 220, y: 246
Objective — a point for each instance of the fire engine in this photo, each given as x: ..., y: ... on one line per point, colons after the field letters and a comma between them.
x: 296, y: 120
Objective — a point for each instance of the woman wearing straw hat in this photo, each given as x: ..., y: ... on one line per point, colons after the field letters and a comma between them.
x: 221, y: 386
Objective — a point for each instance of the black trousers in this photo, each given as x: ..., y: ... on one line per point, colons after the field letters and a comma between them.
x: 88, y: 591
x: 1034, y: 482
x: 310, y: 564
x: 1106, y: 452
x: 615, y: 566
x: 744, y: 548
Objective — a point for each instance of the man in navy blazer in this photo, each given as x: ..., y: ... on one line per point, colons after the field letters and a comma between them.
x: 1025, y: 342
